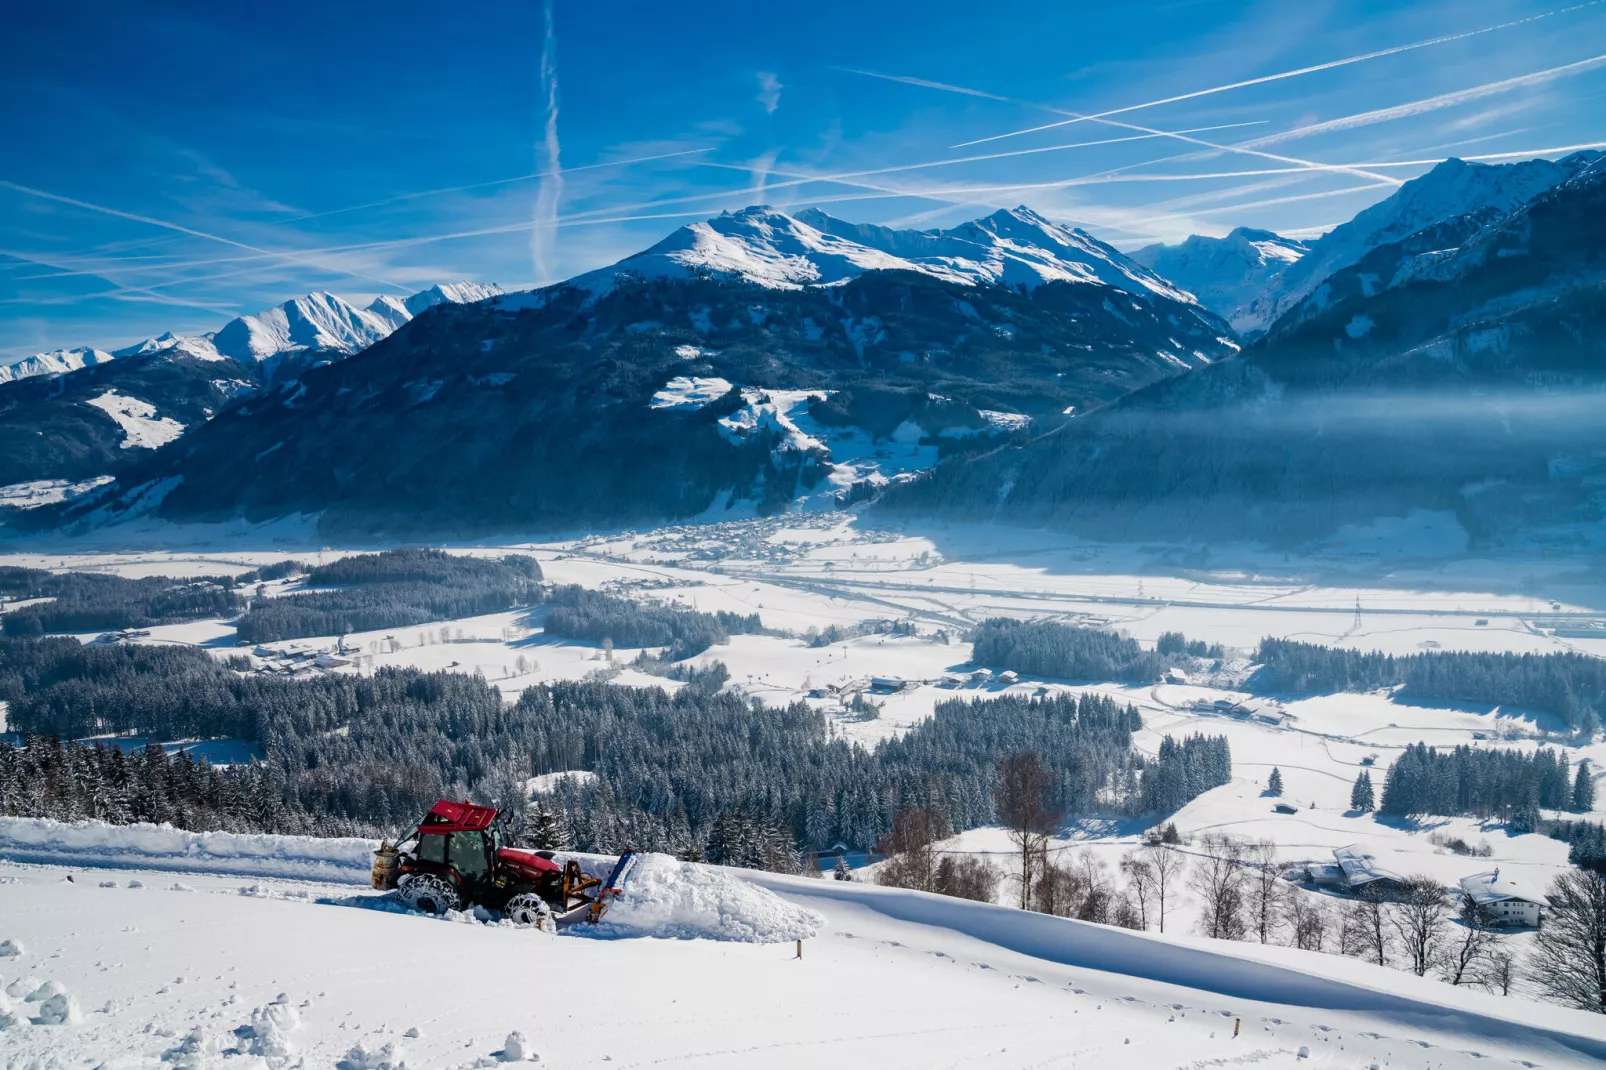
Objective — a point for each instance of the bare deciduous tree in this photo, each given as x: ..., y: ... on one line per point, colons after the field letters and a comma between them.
x: 1266, y: 888
x: 1022, y: 799
x: 1140, y: 880
x: 967, y: 877
x: 1366, y: 929
x: 1417, y: 915
x: 1465, y: 957
x: 911, y: 849
x: 1498, y: 971
x: 1569, y: 954
x: 1218, y: 878
x: 1306, y: 917
x: 1098, y: 897
x: 1060, y: 888
x: 1170, y: 870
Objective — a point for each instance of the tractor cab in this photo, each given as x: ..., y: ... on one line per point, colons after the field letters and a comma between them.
x: 462, y: 840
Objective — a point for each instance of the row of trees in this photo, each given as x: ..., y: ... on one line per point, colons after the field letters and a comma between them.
x: 1241, y: 892
x: 578, y: 613
x: 394, y: 589
x: 1567, y: 685
x: 92, y: 602
x: 1586, y: 843
x: 1504, y: 784
x: 1046, y: 648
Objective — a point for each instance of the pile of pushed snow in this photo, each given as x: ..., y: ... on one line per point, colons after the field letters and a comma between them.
x: 95, y: 843
x: 686, y: 901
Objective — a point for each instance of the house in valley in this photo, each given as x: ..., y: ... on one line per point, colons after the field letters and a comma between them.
x: 1508, y: 900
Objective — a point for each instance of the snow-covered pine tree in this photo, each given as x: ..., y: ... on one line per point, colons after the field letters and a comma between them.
x: 1275, y: 784
x: 842, y: 872
x: 1583, y: 789
x: 1360, y: 796
x: 544, y: 829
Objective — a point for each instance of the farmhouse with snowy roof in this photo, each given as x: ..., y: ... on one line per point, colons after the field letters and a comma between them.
x: 1508, y: 900
x: 1354, y: 868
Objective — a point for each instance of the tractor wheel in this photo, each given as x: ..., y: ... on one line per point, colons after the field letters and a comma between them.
x: 528, y: 911
x: 429, y: 893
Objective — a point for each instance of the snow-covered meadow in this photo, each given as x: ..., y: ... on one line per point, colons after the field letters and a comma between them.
x: 150, y: 964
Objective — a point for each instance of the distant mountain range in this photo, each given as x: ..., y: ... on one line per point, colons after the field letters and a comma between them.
x: 316, y: 322
x: 1437, y: 355
x: 1454, y: 374
x: 71, y: 419
x: 755, y: 361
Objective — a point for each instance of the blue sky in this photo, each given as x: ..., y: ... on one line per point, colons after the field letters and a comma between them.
x: 168, y: 166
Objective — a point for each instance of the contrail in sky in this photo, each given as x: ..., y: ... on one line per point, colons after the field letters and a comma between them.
x: 1282, y: 74
x: 946, y: 87
x: 1443, y: 100
x: 492, y: 182
x: 148, y: 220
x: 550, y: 191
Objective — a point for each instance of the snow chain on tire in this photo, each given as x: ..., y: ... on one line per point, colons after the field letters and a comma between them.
x: 528, y: 911
x: 428, y: 893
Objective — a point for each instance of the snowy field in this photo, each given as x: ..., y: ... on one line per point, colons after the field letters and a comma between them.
x: 150, y: 965
x: 807, y: 574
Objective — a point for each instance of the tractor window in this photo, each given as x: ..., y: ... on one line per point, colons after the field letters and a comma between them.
x: 468, y: 855
x: 432, y: 849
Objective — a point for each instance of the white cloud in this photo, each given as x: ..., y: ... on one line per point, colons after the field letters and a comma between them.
x: 769, y: 91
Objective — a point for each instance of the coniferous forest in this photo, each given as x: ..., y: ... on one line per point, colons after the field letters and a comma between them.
x: 1568, y: 685
x: 394, y: 589
x: 1063, y: 651
x: 1504, y: 784
x: 347, y: 754
x: 578, y: 613
x: 93, y: 602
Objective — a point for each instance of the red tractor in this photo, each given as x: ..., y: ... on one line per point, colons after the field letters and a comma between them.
x: 454, y: 858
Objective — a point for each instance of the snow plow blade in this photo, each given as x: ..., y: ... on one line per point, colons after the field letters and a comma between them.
x: 591, y: 912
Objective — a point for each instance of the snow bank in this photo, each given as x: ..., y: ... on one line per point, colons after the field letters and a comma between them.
x: 687, y: 901
x: 97, y: 844
x: 1263, y: 973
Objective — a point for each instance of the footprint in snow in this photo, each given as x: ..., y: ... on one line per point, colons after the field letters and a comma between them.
x: 981, y: 965
x: 939, y: 954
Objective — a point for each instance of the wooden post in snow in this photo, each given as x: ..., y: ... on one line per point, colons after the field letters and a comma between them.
x: 800, y: 949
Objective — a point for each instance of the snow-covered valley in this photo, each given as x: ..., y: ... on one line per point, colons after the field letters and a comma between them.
x: 1020, y: 981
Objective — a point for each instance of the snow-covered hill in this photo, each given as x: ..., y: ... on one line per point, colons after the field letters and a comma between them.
x: 781, y: 251
x: 1453, y: 188
x: 1228, y: 273
x: 157, y: 966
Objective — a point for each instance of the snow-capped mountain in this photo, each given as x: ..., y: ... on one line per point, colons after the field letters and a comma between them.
x: 771, y: 248
x: 74, y: 418
x: 315, y: 322
x: 56, y: 362
x: 1453, y: 374
x: 762, y: 360
x: 1227, y: 273
x: 1453, y: 188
